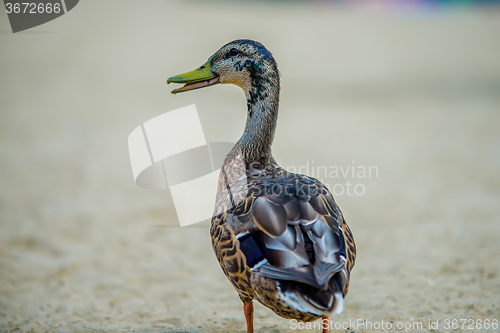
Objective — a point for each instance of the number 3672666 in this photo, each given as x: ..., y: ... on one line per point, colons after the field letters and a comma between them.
x: 32, y: 8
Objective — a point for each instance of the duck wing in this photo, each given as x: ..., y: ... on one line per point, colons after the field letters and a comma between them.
x: 290, y: 229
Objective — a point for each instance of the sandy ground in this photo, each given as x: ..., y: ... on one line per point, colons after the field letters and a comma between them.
x: 83, y: 249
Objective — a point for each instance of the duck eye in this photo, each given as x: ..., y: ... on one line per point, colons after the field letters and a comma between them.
x: 233, y: 52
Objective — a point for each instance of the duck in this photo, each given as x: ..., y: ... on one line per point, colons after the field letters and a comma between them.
x: 279, y: 237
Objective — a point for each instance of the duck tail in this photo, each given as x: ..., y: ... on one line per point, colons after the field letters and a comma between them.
x: 319, y: 302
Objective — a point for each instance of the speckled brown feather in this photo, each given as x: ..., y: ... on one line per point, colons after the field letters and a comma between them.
x: 239, y: 190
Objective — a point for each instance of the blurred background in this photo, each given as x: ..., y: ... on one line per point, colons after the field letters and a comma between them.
x: 411, y: 87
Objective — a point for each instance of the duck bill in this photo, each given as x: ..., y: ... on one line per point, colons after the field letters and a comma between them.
x: 199, y: 78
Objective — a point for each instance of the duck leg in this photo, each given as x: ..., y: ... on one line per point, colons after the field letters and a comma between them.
x: 248, y: 309
x: 324, y: 322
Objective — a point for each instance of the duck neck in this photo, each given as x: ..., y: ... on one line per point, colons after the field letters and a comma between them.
x: 262, y: 116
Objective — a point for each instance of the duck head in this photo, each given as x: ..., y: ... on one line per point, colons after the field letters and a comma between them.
x: 245, y: 63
